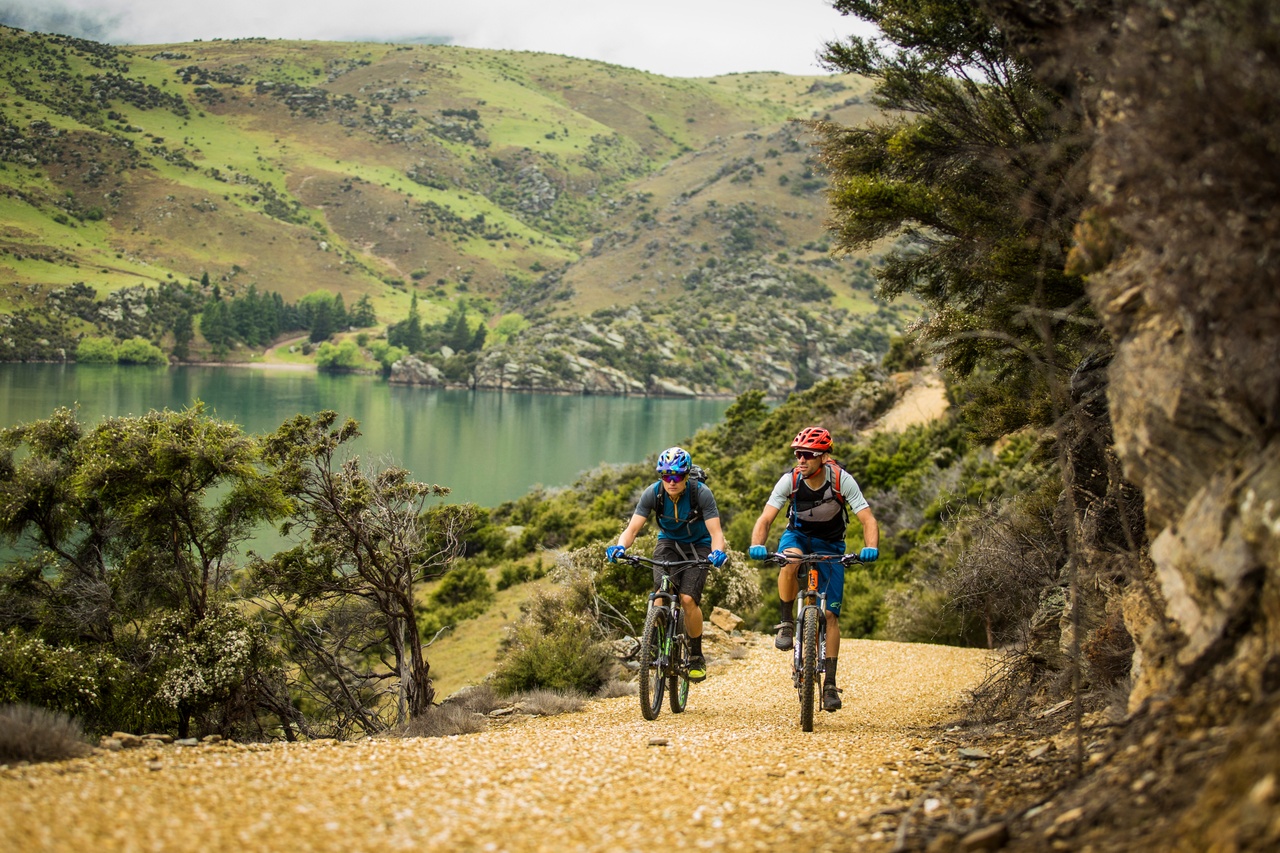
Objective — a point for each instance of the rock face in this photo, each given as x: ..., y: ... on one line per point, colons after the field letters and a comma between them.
x: 694, y: 347
x: 412, y: 370
x: 1192, y: 307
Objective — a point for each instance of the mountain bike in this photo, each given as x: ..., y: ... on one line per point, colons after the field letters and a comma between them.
x: 809, y: 652
x: 664, y: 645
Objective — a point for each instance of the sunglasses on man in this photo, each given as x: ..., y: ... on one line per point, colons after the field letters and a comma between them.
x: 807, y: 454
x: 673, y: 478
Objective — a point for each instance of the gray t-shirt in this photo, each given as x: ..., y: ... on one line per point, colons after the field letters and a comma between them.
x: 848, y: 487
x: 673, y: 522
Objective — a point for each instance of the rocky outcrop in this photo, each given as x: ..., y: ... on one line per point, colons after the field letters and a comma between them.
x: 1191, y: 304
x: 772, y: 339
x: 412, y: 370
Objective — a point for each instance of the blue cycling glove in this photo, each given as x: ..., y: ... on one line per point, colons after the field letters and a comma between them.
x: 717, y: 558
x: 757, y: 552
x: 869, y: 555
x: 613, y: 552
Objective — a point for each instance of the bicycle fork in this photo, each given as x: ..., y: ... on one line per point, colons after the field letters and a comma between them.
x: 797, y: 653
x: 664, y: 660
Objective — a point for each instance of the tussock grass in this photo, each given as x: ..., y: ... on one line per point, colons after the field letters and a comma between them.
x: 549, y: 703
x: 479, y: 699
x: 443, y: 721
x: 31, y: 733
x: 467, y: 710
x: 614, y: 688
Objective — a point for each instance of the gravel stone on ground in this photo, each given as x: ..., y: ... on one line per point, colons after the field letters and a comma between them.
x: 734, y: 772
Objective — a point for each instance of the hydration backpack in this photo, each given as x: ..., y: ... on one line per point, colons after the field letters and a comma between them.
x: 833, y: 482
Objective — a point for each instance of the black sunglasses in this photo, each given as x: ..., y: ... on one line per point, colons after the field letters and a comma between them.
x: 807, y: 454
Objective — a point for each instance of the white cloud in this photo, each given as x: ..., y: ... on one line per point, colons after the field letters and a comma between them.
x: 693, y: 38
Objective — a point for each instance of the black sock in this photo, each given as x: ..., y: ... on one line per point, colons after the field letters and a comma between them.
x: 787, y: 609
x: 830, y: 668
x: 695, y: 645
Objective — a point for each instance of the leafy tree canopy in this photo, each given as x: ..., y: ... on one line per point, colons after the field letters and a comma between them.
x: 976, y: 174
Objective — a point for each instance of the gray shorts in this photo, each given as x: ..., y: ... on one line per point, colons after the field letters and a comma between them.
x: 692, y: 579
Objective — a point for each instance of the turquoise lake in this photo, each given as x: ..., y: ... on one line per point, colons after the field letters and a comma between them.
x: 486, y: 446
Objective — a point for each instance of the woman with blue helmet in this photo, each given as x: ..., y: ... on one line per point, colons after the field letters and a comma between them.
x: 688, y: 528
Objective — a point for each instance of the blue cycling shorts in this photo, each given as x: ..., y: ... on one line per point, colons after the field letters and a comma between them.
x: 830, y: 575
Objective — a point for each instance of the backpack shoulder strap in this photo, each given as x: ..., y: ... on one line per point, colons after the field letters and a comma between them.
x: 836, y: 471
x: 695, y: 507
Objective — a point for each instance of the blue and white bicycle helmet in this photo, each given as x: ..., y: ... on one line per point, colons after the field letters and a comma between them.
x: 674, y: 460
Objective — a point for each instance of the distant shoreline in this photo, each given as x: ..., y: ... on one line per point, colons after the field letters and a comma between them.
x: 311, y: 368
x: 258, y: 365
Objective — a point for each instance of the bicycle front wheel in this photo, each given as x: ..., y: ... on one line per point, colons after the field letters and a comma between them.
x: 809, y: 666
x: 654, y: 651
x: 678, y: 680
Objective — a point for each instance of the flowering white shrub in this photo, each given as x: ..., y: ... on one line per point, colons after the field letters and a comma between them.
x: 207, y: 662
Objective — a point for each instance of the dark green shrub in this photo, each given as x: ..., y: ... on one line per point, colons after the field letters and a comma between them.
x: 466, y: 584
x: 66, y: 679
x: 568, y: 657
x: 518, y: 573
x: 558, y: 644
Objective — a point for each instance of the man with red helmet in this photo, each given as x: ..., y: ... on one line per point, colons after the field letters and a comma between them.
x: 822, y: 496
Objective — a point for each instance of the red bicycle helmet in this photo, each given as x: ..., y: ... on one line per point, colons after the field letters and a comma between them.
x: 812, y: 438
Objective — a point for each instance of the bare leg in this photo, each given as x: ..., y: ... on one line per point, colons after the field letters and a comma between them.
x: 692, y: 616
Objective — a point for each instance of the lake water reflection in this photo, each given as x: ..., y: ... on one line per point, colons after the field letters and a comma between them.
x: 486, y: 446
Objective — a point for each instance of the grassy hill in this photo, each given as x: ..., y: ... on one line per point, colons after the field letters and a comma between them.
x: 521, y: 182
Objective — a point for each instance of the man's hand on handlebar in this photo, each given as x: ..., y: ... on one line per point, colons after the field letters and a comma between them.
x: 717, y: 558
x: 613, y: 552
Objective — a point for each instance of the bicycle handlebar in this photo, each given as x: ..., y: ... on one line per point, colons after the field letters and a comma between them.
x: 636, y: 559
x: 784, y: 559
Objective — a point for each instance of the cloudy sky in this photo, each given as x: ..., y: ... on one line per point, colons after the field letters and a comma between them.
x: 676, y: 38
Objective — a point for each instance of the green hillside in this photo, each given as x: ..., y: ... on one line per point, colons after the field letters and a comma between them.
x: 508, y: 182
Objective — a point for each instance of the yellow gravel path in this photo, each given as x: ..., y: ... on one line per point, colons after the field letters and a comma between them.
x: 735, y: 773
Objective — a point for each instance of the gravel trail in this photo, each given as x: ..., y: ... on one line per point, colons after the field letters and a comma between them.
x: 733, y: 772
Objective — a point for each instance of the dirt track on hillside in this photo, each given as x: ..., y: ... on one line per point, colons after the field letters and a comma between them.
x: 733, y: 772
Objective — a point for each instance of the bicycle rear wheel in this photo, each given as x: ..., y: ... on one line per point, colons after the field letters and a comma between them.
x: 808, y: 666
x: 653, y: 651
x: 678, y: 680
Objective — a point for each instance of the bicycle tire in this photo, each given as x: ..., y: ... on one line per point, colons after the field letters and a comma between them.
x: 678, y: 680
x: 809, y: 667
x: 652, y: 641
